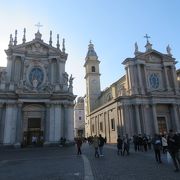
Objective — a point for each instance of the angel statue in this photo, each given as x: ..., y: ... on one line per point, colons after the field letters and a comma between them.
x: 71, y: 80
x: 168, y: 49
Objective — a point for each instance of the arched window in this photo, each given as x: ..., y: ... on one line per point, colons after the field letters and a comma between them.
x: 93, y: 69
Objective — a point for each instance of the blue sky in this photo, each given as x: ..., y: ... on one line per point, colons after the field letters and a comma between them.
x: 113, y: 26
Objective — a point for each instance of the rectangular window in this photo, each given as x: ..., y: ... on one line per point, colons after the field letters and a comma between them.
x: 113, y: 124
x: 79, y: 117
x: 101, y: 126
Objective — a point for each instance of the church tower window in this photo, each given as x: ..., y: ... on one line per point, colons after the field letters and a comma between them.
x: 93, y: 69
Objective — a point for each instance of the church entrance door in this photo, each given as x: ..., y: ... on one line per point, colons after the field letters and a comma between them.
x: 34, y: 133
x: 162, y: 125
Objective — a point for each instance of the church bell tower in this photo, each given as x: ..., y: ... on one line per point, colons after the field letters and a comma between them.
x: 92, y: 77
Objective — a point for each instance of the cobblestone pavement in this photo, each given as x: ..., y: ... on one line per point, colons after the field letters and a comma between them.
x: 57, y: 163
x: 136, y: 166
x: 41, y: 164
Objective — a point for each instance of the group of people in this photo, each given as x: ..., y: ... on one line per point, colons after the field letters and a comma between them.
x: 123, y: 145
x: 169, y: 144
x: 161, y: 143
x: 97, y: 142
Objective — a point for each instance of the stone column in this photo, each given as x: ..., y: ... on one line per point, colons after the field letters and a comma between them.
x: 138, y: 124
x: 123, y: 120
x: 127, y: 77
x: 174, y: 75
x: 9, y: 67
x: 140, y: 79
x: 47, y: 125
x: 131, y: 119
x: 127, y: 119
x: 57, y: 122
x: 51, y: 71
x: 132, y: 81
x: 12, y: 69
x: 156, y: 130
x: 166, y: 78
x: 59, y: 70
x: 51, y: 122
x: 10, y: 124
x: 105, y: 126
x: 19, y: 125
x: 69, y: 122
x: 176, y: 120
x: 22, y: 68
x: 146, y: 126
x: 109, y: 126
x: 1, y: 123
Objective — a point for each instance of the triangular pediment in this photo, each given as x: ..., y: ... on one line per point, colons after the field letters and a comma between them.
x: 36, y: 47
x: 154, y: 56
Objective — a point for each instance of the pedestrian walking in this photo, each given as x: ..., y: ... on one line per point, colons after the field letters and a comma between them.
x: 79, y: 144
x: 157, y: 144
x: 96, y: 145
x: 135, y: 142
x: 101, y: 145
x: 164, y: 144
x: 126, y: 145
x: 173, y: 149
x: 119, y: 145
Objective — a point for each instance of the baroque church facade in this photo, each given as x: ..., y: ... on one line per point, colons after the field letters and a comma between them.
x: 146, y: 100
x: 36, y: 93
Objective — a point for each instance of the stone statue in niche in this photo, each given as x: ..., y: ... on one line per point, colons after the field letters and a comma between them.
x: 35, y: 83
x: 3, y: 76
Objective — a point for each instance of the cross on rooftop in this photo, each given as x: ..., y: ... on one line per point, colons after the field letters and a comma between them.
x: 147, y: 37
x: 38, y: 25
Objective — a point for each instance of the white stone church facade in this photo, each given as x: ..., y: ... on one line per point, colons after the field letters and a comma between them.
x: 146, y: 100
x: 36, y: 93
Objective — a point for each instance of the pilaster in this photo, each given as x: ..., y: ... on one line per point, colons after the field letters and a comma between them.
x: 69, y: 122
x: 19, y: 130
x: 141, y: 89
x: 174, y: 75
x: 156, y: 130
x: 138, y: 124
x: 47, y: 124
x: 176, y: 120
x: 10, y: 124
x: 1, y: 123
x: 166, y: 78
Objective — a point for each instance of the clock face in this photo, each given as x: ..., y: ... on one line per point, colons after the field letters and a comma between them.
x: 154, y: 81
x: 36, y: 74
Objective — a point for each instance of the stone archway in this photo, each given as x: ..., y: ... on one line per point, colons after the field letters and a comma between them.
x: 33, y: 124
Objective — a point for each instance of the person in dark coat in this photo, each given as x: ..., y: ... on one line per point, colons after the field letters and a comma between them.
x: 119, y: 145
x: 79, y: 144
x: 101, y: 145
x: 173, y: 149
x: 157, y: 144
